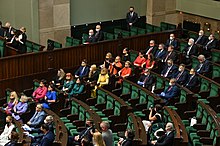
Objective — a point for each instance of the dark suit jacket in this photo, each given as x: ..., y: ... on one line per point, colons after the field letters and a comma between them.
x: 183, y: 77
x: 173, y: 92
x: 94, y: 77
x: 172, y: 56
x: 91, y: 39
x: 8, y: 33
x: 2, y: 31
x: 132, y: 19
x: 86, y: 133
x: 172, y: 71
x: 166, y: 140
x: 202, y: 41
x: 99, y: 36
x: 173, y: 43
x: 160, y: 55
x: 149, y: 80
x: 153, y: 51
x: 47, y: 139
x: 11, y: 143
x: 85, y: 72
x: 204, y: 69
x: 193, y: 50
x: 194, y: 82
x: 212, y: 45
x: 127, y: 142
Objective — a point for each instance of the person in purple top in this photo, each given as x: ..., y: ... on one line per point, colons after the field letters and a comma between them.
x: 13, y: 100
x: 20, y: 108
x: 50, y: 97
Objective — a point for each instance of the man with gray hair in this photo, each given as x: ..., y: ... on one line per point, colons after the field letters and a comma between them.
x: 167, y: 138
x: 106, y: 133
x: 190, y: 50
x: 204, y: 66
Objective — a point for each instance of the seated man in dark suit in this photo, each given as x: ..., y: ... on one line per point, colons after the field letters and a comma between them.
x: 204, y: 66
x: 91, y: 37
x: 161, y: 52
x: 146, y: 79
x: 212, y: 43
x: 83, y: 70
x: 37, y: 118
x: 171, y: 54
x: 182, y: 75
x: 1, y: 30
x: 192, y: 81
x: 170, y: 92
x: 99, y: 35
x: 152, y: 48
x: 167, y: 139
x: 75, y: 140
x: 131, y: 18
x: 47, y: 139
x: 189, y: 50
x: 169, y: 70
x: 172, y: 42
x: 202, y: 39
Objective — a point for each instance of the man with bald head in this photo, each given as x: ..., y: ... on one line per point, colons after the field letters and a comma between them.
x: 204, y: 66
x: 201, y: 39
x: 152, y: 48
x: 99, y: 35
x: 9, y: 32
x: 167, y: 138
x: 190, y: 50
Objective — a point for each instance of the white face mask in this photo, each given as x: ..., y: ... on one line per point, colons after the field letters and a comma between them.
x: 210, y: 38
x: 180, y: 69
x: 170, y: 84
x: 189, y: 43
x: 171, y: 38
x: 90, y: 34
x: 97, y: 30
x: 200, y: 33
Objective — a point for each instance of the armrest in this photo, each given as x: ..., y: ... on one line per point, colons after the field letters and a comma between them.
x: 203, y: 133
x: 189, y: 114
x: 119, y: 127
x: 100, y: 106
x: 204, y: 94
x: 125, y: 96
x: 141, y: 106
x: 117, y: 91
x: 79, y: 123
x: 206, y: 140
x: 213, y: 99
x: 199, y: 126
x: 28, y: 92
x: 72, y: 117
x: 65, y: 111
x: 91, y: 101
x: 108, y: 112
x: 133, y: 101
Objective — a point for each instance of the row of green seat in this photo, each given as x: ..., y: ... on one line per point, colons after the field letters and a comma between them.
x: 53, y: 44
x: 207, y: 129
x: 2, y: 47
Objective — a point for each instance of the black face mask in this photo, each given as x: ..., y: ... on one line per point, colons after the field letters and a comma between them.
x: 7, y: 123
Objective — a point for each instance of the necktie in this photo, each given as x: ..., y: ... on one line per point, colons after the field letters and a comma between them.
x: 81, y: 73
x: 158, y: 53
x: 177, y: 78
x: 171, y: 42
x: 208, y: 44
x: 189, y: 80
x: 149, y: 51
x: 168, y: 70
x: 189, y: 49
x: 85, y: 132
x: 198, y: 39
x: 168, y: 55
x: 200, y: 66
x: 169, y: 88
x: 146, y: 79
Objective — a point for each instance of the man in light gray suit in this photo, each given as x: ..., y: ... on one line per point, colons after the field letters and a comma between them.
x: 38, y: 117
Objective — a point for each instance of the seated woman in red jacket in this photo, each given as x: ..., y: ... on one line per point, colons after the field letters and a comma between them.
x: 40, y: 92
x: 149, y: 62
x: 139, y: 60
x: 124, y: 72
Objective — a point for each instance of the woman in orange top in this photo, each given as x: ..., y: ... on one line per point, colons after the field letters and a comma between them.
x: 149, y: 62
x: 124, y: 72
x: 139, y: 60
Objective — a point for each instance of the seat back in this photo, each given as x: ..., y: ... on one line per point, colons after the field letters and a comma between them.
x: 134, y: 92
x: 101, y: 97
x: 110, y: 102
x: 126, y: 88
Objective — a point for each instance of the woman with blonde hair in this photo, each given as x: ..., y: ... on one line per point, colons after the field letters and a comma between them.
x: 97, y: 139
x: 20, y: 108
x: 12, y: 102
x: 58, y: 81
